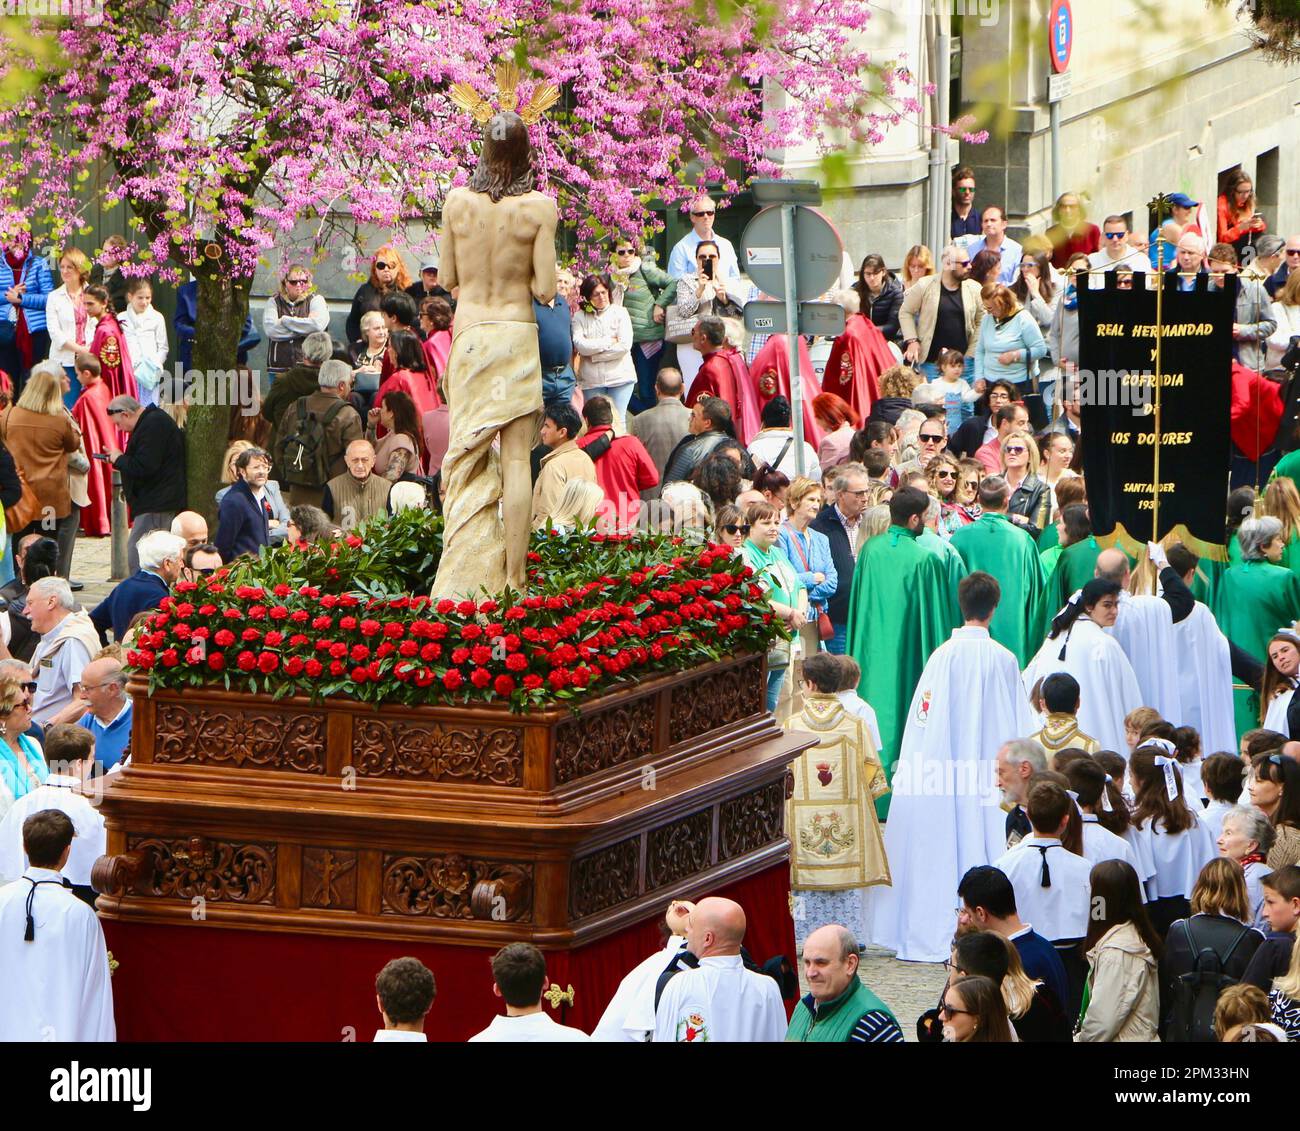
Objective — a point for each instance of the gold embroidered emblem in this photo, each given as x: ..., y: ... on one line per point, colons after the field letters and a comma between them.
x: 109, y: 354
x: 825, y: 835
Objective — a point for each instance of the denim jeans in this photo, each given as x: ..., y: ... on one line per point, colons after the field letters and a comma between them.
x: 775, y: 677
x: 838, y: 644
x: 646, y: 367
x: 558, y: 385
x: 618, y: 395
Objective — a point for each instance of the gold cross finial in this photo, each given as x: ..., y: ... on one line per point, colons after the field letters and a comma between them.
x: 555, y: 995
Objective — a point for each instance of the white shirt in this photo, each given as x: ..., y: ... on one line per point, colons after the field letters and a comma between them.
x: 1177, y: 857
x: 681, y: 260
x: 61, y: 322
x: 55, y: 681
x: 1101, y: 844
x: 1212, y: 816
x: 398, y: 1036
x: 720, y: 1001
x: 1101, y: 261
x: 630, y: 1015
x: 852, y: 702
x: 146, y: 336
x: 58, y: 792
x: 56, y: 987
x: 531, y: 1028
x: 1060, y: 911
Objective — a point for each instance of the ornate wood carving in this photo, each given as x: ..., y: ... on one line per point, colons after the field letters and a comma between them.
x: 492, y: 755
x: 455, y: 887
x: 605, y: 878
x: 716, y: 700
x: 752, y: 820
x: 597, y: 740
x: 329, y: 878
x: 269, y: 740
x: 214, y: 870
x: 676, y: 851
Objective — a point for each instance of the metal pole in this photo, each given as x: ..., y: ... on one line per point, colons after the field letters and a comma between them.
x: 120, y: 529
x: 1160, y: 330
x: 940, y: 194
x: 1054, y: 110
x: 792, y: 332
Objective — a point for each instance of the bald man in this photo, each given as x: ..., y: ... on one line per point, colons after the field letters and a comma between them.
x: 191, y: 526
x: 102, y: 708
x: 719, y: 1000
x: 630, y: 1015
x: 839, y: 1007
x: 1145, y: 629
x: 1189, y: 261
x: 357, y: 494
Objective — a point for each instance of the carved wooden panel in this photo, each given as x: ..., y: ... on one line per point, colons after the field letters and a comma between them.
x: 751, y: 821
x: 270, y: 740
x: 329, y: 878
x: 676, y: 851
x: 605, y: 878
x: 211, y: 869
x: 597, y: 740
x: 493, y: 755
x: 442, y: 887
x: 716, y: 700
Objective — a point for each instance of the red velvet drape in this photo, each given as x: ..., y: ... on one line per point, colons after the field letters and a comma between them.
x: 202, y: 983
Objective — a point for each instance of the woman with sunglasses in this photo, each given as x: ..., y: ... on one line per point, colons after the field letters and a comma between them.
x: 1030, y: 504
x: 973, y: 1011
x: 645, y: 292
x: 943, y: 476
x: 700, y: 293
x: 780, y: 584
x: 1274, y: 788
x: 295, y: 311
x: 730, y: 528
x: 388, y: 275
x: 22, y: 765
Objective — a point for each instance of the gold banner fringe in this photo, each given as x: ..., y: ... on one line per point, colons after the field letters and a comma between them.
x: 1137, y: 548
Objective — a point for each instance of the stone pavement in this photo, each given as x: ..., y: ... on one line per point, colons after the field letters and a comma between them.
x: 91, y: 561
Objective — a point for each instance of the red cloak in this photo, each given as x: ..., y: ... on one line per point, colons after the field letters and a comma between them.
x: 724, y: 374
x: 90, y: 413
x: 858, y: 358
x: 109, y: 345
x: 1256, y: 411
x: 771, y: 373
x: 437, y: 348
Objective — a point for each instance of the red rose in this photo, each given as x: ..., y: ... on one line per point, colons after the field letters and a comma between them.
x: 347, y: 623
x: 470, y: 632
x: 424, y: 677
x: 328, y: 601
x: 402, y: 671
x: 207, y: 610
x: 338, y: 651
x: 444, y: 607
x: 558, y: 679
x: 354, y: 541
x: 393, y: 630
x: 170, y: 658
x: 337, y: 667
x: 217, y: 661
x: 297, y: 640
x: 480, y: 677
x: 532, y: 682
x: 360, y: 675
x: 257, y: 612
x: 359, y: 652
x: 467, y: 608
x: 250, y: 634
x: 581, y: 677
x: 503, y: 685
x: 246, y: 661
x: 386, y: 648
x: 408, y: 648
x: 195, y: 655
x: 452, y: 679
x: 430, y: 652
x: 516, y: 661
x: 185, y: 610
x: 515, y: 613
x: 267, y: 662
x: 480, y: 654
x: 293, y: 666
x: 437, y: 631
x: 232, y: 614
x: 298, y: 616
x: 313, y: 668
x: 370, y: 627
x: 320, y: 624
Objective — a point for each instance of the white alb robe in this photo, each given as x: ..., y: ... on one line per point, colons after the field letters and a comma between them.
x: 58, y: 792
x: 1145, y: 630
x: 1101, y: 844
x: 529, y: 1028
x: 1212, y: 817
x: 1205, y: 680
x: 945, y: 816
x: 56, y: 987
x: 1275, y: 716
x: 630, y: 1015
x: 1178, y: 858
x: 720, y: 1001
x: 1059, y: 911
x: 852, y: 702
x: 1108, y: 686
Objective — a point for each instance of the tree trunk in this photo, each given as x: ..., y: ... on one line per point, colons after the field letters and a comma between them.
x: 222, y: 308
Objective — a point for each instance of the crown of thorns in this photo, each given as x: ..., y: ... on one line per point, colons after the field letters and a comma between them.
x: 545, y: 95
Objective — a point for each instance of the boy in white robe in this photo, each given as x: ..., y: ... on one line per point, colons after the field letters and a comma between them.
x: 719, y: 1000
x: 1145, y: 629
x: 630, y: 1015
x: 55, y: 983
x: 1053, y: 887
x: 1204, y: 666
x: 1108, y: 687
x: 519, y: 979
x: 945, y: 817
x: 852, y: 702
x: 70, y: 754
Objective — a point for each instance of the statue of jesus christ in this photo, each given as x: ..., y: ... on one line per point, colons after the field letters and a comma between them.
x: 498, y: 247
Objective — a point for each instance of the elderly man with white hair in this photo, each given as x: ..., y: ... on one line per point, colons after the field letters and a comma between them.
x: 942, y: 311
x: 161, y: 559
x: 314, y: 434
x: 68, y: 640
x: 1189, y: 260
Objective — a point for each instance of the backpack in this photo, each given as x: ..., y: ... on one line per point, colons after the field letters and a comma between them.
x: 1196, y: 993
x: 301, y: 457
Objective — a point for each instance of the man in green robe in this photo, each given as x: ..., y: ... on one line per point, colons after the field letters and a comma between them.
x: 952, y: 563
x: 994, y: 544
x: 901, y: 609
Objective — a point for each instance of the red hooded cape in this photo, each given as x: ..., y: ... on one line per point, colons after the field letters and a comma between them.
x: 90, y: 413
x: 771, y: 373
x: 724, y: 374
x: 1256, y: 411
x: 858, y: 358
x: 109, y: 345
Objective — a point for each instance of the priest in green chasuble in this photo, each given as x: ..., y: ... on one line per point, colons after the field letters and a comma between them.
x: 836, y: 848
x: 901, y: 609
x: 994, y: 544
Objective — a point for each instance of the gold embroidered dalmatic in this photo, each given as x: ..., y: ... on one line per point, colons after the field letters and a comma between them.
x: 1061, y: 732
x: 835, y: 839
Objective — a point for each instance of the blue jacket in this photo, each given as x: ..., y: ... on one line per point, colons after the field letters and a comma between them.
x: 36, y: 274
x: 241, y: 523
x: 816, y: 548
x: 1020, y: 333
x: 142, y: 590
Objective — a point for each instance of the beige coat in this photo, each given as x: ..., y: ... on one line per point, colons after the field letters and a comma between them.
x: 566, y: 462
x: 920, y: 311
x: 1124, y: 999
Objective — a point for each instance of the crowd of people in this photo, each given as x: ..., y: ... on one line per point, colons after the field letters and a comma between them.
x: 1005, y: 709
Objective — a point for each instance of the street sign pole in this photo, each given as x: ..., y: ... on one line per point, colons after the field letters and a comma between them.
x: 792, y: 332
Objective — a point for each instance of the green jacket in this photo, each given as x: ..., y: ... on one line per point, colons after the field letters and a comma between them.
x: 836, y: 1019
x: 646, y: 288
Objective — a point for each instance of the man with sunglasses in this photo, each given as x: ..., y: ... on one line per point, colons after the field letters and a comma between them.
x: 1115, y: 252
x: 1290, y: 262
x: 965, y: 217
x: 682, y: 260
x: 201, y: 561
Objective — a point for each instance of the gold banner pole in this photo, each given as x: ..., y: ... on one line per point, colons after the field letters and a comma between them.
x: 1161, y: 205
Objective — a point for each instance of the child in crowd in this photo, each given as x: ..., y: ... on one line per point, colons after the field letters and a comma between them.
x: 146, y: 339
x: 1221, y: 776
x: 957, y: 397
x: 1281, y: 913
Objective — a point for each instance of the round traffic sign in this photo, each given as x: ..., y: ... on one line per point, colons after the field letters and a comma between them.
x: 818, y: 253
x: 1060, y: 28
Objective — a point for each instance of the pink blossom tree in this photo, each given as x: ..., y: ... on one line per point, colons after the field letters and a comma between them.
x: 223, y: 123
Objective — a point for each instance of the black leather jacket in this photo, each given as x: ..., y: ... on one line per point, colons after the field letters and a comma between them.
x: 1033, y: 500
